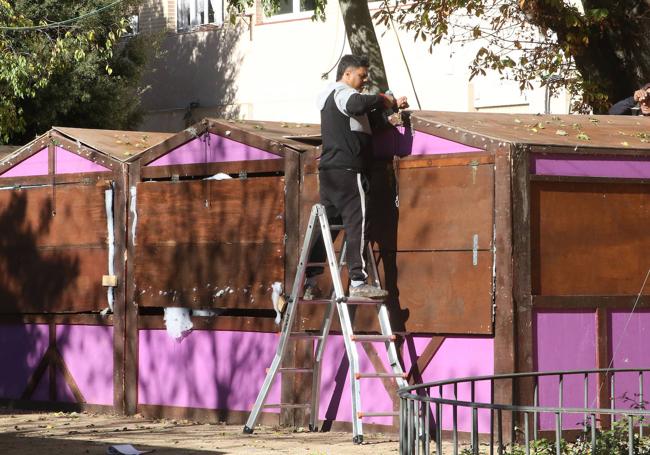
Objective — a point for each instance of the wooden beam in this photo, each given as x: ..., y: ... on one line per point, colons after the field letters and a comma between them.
x: 603, y: 359
x: 36, y: 376
x: 202, y: 169
x: 58, y: 362
x: 424, y: 359
x: 52, y: 366
x: 580, y: 302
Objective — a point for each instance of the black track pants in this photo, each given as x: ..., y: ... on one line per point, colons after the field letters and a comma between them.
x: 343, y: 193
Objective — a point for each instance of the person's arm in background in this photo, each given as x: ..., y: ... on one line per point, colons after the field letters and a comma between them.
x: 623, y: 107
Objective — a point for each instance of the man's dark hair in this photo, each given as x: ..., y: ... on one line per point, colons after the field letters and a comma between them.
x: 350, y: 61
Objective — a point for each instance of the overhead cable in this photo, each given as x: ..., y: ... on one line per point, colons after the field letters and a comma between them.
x: 60, y: 23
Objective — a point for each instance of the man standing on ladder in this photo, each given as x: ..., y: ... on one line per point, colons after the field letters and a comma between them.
x: 344, y: 168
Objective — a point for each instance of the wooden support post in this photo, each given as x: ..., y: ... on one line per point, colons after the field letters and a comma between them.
x: 603, y: 357
x: 504, y: 342
x: 295, y: 389
x: 127, y: 336
x: 51, y: 364
x: 522, y: 284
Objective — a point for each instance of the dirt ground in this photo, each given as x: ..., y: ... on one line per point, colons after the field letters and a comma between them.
x: 82, y: 433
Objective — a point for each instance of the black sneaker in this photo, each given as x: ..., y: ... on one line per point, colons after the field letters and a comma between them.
x: 367, y: 291
x: 312, y: 292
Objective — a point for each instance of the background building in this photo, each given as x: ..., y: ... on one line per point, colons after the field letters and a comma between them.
x: 271, y: 67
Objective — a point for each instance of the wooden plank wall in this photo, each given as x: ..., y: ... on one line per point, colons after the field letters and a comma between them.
x: 425, y: 246
x: 206, y: 244
x: 53, y: 249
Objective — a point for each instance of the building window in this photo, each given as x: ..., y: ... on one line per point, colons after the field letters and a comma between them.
x: 194, y: 13
x: 294, y: 7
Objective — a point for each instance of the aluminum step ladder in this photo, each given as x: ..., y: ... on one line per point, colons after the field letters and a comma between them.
x: 318, y: 220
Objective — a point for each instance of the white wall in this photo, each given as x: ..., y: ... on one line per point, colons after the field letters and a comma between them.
x: 273, y: 72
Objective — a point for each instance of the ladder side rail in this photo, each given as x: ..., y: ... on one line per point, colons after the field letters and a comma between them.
x: 318, y: 359
x: 335, y: 271
x: 320, y: 348
x: 353, y: 358
x: 372, y: 265
x: 307, y: 245
x: 287, y: 323
x: 384, y: 321
x: 393, y: 358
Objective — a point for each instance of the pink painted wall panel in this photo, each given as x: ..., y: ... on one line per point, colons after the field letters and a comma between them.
x: 22, y: 347
x: 69, y: 163
x: 37, y: 164
x: 565, y: 340
x: 208, y: 369
x: 457, y: 357
x: 88, y: 353
x: 628, y: 344
x: 590, y: 166
x: 403, y: 142
x: 212, y: 148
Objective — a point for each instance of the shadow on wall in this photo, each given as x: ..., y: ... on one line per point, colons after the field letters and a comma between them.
x: 33, y: 279
x: 193, y: 77
x: 224, y: 252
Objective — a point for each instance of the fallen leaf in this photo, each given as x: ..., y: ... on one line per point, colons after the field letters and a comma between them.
x: 624, y: 144
x: 583, y: 137
x: 561, y: 133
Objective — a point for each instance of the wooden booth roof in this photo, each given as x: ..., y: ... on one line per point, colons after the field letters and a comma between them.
x: 298, y: 136
x: 121, y: 145
x: 7, y: 150
x: 601, y: 131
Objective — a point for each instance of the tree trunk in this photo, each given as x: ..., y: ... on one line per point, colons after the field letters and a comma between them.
x: 363, y: 40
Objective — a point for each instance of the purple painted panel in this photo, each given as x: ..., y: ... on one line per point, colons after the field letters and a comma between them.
x: 565, y: 340
x: 88, y: 353
x: 212, y: 148
x: 70, y: 163
x: 22, y: 347
x: 461, y: 357
x: 208, y: 369
x: 403, y: 142
x: 628, y: 345
x: 590, y: 166
x: 457, y: 357
x: 37, y: 164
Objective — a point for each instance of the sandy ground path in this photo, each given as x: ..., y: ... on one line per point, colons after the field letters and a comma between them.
x: 81, y: 434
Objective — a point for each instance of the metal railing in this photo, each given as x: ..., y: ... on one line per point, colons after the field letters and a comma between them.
x: 435, y: 417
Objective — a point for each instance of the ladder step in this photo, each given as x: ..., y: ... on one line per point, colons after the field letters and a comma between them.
x: 380, y: 375
x: 295, y: 370
x: 287, y: 405
x: 305, y: 335
x: 362, y: 338
x: 336, y: 227
x: 316, y: 264
x: 314, y: 301
x: 363, y: 301
x: 362, y: 415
